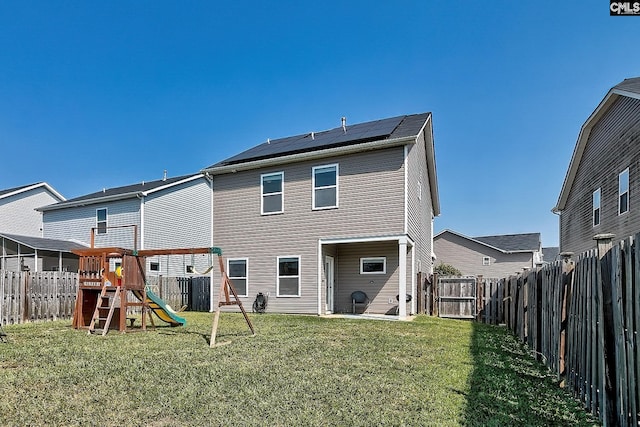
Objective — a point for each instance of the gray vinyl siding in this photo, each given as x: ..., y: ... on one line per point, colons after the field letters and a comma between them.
x: 18, y: 214
x: 381, y: 289
x: 420, y: 210
x: 613, y: 145
x: 178, y: 217
x: 76, y: 223
x: 371, y: 203
x: 467, y: 255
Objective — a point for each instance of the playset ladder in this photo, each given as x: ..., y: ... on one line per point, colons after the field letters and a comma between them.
x: 104, y: 312
x: 225, y: 287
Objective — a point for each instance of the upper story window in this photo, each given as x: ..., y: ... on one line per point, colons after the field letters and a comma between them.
x: 101, y: 221
x: 596, y: 207
x: 271, y: 185
x: 325, y: 187
x: 238, y: 273
x: 623, y: 192
x: 486, y: 260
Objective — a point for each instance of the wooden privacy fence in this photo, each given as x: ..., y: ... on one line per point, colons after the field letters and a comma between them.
x: 580, y: 318
x: 26, y: 296
x: 50, y: 295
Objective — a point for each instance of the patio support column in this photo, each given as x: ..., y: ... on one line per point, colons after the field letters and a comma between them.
x: 35, y: 260
x: 402, y: 282
x: 60, y: 262
x: 413, y: 280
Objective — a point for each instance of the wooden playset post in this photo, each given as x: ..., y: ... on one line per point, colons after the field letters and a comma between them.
x: 226, y: 286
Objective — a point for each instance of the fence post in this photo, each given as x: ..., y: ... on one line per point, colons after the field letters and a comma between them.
x: 567, y: 284
x: 609, y: 401
x: 436, y: 295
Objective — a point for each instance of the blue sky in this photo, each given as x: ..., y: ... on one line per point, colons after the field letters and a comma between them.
x: 103, y: 94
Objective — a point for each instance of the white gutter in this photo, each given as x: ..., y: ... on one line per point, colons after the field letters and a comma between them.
x: 33, y: 187
x: 311, y: 155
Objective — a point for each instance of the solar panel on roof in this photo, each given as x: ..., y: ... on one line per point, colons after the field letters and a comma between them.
x: 324, y: 139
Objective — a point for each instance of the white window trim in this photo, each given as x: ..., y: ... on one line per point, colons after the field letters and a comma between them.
x: 281, y: 193
x: 598, y: 208
x: 246, y: 278
x: 299, y: 276
x: 374, y: 259
x: 106, y: 221
x: 626, y: 192
x: 313, y: 187
x: 155, y: 262
x: 486, y: 260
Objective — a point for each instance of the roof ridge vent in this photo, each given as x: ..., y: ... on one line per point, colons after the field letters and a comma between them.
x: 344, y: 124
x: 313, y: 135
x: 268, y: 140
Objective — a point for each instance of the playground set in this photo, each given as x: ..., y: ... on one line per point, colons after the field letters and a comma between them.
x: 109, y: 275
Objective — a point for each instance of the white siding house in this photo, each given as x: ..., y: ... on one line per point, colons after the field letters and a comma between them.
x: 163, y: 214
x: 18, y: 214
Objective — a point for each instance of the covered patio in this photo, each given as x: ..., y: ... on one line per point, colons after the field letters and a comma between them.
x: 380, y: 267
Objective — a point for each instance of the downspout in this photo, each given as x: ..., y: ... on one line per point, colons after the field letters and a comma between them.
x: 142, y: 201
x: 406, y: 190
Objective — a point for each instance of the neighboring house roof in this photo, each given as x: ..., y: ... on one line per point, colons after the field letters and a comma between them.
x: 505, y: 243
x: 550, y: 254
x: 629, y: 88
x: 384, y: 133
x: 124, y: 192
x: 43, y: 244
x: 22, y: 189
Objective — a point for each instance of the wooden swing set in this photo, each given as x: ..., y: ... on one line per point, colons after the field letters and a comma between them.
x: 102, y: 301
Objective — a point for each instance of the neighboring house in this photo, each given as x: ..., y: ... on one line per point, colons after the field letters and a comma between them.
x: 488, y: 256
x: 18, y: 214
x: 309, y: 219
x: 551, y: 254
x: 162, y: 214
x: 19, y: 253
x: 601, y: 189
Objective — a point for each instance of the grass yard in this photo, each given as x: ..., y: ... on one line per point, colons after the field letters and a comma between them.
x: 298, y: 370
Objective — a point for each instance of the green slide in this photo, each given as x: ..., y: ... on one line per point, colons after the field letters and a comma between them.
x: 161, y: 309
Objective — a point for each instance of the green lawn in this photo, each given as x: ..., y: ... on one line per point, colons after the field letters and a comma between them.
x: 297, y: 370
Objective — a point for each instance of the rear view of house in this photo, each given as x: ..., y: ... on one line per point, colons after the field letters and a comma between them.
x: 601, y: 187
x: 310, y: 219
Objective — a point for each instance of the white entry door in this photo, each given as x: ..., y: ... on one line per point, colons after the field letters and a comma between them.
x: 329, y: 272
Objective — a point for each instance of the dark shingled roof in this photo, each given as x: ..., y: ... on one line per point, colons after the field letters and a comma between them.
x: 390, y: 128
x: 550, y: 254
x: 513, y: 242
x: 11, y: 190
x: 43, y: 244
x: 128, y: 189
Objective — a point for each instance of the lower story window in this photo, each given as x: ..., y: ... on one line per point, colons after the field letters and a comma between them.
x: 288, y: 276
x: 239, y: 275
x: 373, y: 265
